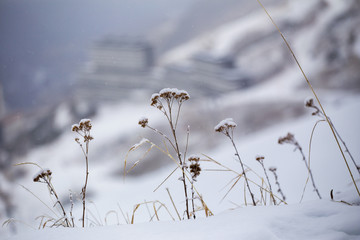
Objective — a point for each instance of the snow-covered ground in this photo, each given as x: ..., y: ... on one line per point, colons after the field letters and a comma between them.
x: 321, y: 220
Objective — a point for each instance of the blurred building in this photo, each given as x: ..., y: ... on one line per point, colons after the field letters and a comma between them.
x: 117, y: 67
x: 207, y: 75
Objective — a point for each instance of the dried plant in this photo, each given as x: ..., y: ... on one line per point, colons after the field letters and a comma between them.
x: 260, y: 159
x: 44, y: 176
x: 83, y: 129
x: 169, y: 101
x: 273, y: 170
x: 226, y: 127
x: 309, y: 103
x: 290, y: 139
x: 195, y: 172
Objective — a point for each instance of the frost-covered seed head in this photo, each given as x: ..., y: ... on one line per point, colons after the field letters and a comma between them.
x: 85, y: 125
x: 225, y: 125
x: 169, y: 94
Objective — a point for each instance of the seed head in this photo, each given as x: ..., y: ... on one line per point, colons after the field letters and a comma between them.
x: 309, y: 103
x: 143, y: 122
x: 289, y: 138
x: 260, y: 159
x: 225, y: 126
x: 272, y: 169
x: 75, y: 128
x: 194, y: 166
x: 169, y: 94
x: 42, y: 174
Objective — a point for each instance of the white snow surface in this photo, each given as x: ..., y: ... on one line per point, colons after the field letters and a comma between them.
x: 321, y: 220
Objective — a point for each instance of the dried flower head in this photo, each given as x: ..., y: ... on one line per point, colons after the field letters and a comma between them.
x: 85, y: 125
x: 260, y: 159
x: 309, y: 103
x: 194, y: 166
x: 83, y: 129
x: 168, y: 94
x: 143, y: 122
x: 75, y: 128
x: 272, y: 169
x: 225, y: 126
x: 155, y: 100
x: 289, y: 138
x: 42, y: 174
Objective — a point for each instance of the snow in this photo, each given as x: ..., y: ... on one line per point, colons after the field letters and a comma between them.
x: 321, y: 220
x: 310, y: 219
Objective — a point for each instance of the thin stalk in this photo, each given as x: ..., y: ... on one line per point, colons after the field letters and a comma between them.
x: 309, y: 170
x: 267, y: 178
x: 182, y: 164
x: 243, y: 169
x: 192, y: 199
x: 52, y: 190
x: 346, y: 148
x: 277, y: 183
x: 86, y: 181
x: 172, y: 201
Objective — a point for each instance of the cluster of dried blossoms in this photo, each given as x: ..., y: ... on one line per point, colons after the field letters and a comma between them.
x: 226, y: 127
x: 83, y: 129
x: 309, y: 103
x: 43, y: 176
x: 289, y: 139
x: 260, y: 159
x: 194, y: 166
x: 169, y: 95
x: 143, y: 122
